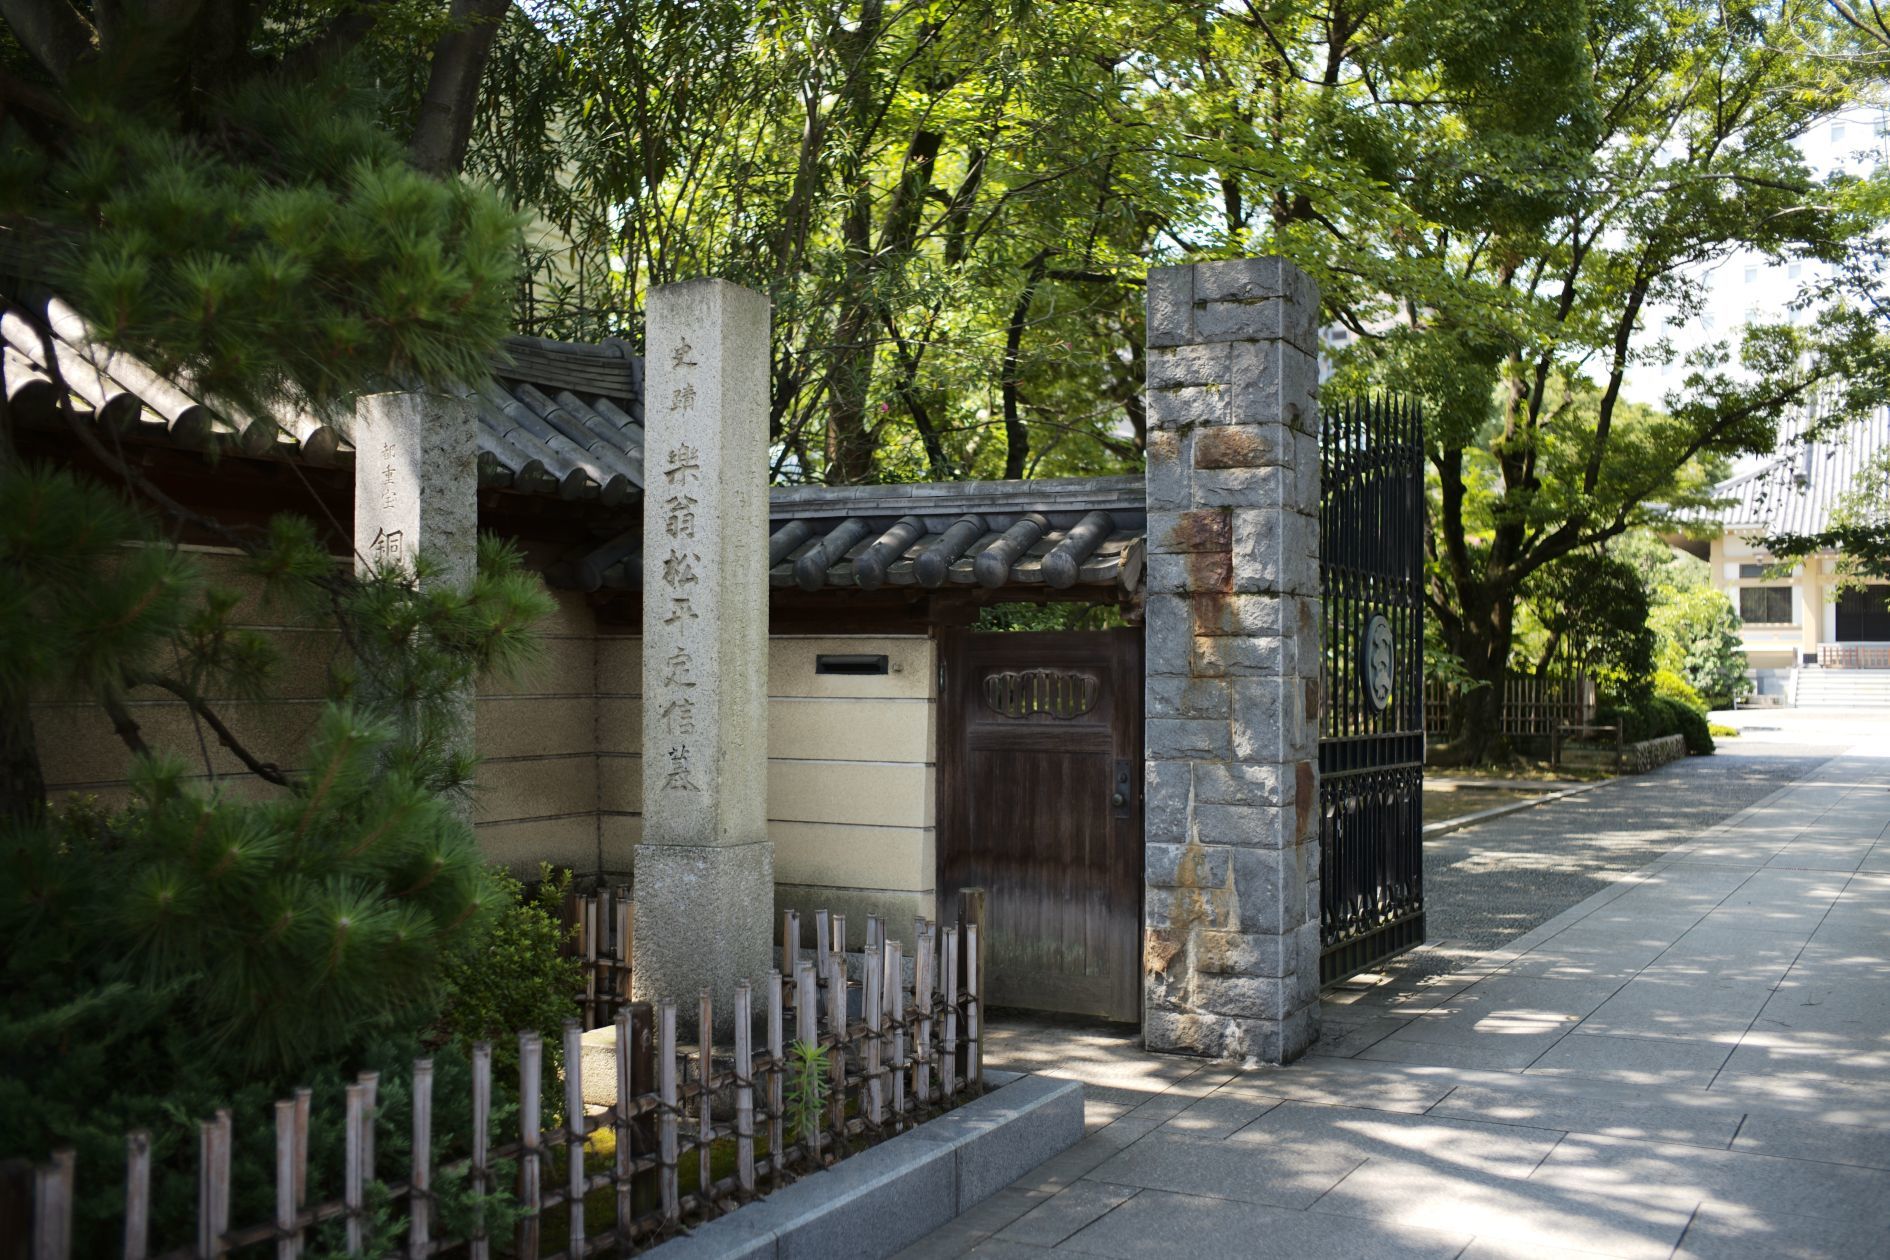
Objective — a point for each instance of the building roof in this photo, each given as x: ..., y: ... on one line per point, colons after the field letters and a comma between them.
x: 1054, y: 534
x: 555, y: 418
x: 564, y: 420
x: 1795, y: 493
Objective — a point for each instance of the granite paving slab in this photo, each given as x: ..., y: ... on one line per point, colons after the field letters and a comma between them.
x: 1688, y: 1059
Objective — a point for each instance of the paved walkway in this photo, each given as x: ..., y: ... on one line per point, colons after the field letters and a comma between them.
x: 1693, y: 1062
x: 1489, y: 884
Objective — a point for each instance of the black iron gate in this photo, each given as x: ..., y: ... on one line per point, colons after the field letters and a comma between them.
x: 1371, y: 755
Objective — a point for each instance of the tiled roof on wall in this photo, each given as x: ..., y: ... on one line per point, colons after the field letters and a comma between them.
x: 564, y: 420
x: 555, y: 419
x: 1080, y: 532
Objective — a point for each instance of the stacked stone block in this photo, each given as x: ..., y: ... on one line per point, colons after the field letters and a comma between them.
x: 1233, y: 661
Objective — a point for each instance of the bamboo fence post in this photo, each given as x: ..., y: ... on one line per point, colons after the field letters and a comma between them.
x: 138, y: 1192
x: 574, y: 1127
x: 624, y: 1171
x: 948, y: 1046
x: 624, y: 905
x: 354, y: 1180
x: 480, y: 1246
x: 666, y: 1123
x: 837, y: 1020
x: 974, y: 1012
x: 973, y: 906
x: 52, y: 1207
x: 922, y: 1015
x: 744, y: 1090
x: 776, y: 1002
x: 213, y: 1201
x: 304, y: 1100
x: 807, y: 1005
x: 589, y: 909
x: 371, y: 1083
x: 896, y: 1018
x: 705, y: 1121
x: 790, y: 941
x: 531, y: 1049
x: 839, y: 946
x: 807, y: 1032
x: 288, y: 1237
x: 420, y: 1180
x: 643, y: 1070
x: 874, y: 1008
x: 823, y: 934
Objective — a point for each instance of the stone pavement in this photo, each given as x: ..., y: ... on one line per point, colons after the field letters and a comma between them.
x: 1693, y: 1062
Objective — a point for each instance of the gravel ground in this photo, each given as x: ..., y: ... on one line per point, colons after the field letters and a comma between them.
x: 1488, y: 884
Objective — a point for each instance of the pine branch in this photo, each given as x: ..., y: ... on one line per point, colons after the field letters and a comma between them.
x: 265, y: 770
x: 125, y: 726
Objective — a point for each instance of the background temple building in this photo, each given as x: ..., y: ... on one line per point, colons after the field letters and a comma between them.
x: 1806, y: 641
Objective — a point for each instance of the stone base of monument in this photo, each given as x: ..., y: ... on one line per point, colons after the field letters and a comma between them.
x: 704, y: 920
x: 887, y: 1197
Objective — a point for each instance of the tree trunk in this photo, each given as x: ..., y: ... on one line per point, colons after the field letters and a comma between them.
x: 444, y: 125
x: 22, y: 782
x: 1482, y: 643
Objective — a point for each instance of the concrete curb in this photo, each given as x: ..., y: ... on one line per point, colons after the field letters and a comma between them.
x: 889, y: 1196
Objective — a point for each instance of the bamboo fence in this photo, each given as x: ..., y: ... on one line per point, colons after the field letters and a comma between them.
x: 898, y: 1051
x: 1540, y: 707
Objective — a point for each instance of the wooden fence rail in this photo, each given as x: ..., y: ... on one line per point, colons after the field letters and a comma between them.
x: 896, y: 1051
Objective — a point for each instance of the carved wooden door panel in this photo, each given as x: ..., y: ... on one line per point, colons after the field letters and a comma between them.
x: 1040, y: 804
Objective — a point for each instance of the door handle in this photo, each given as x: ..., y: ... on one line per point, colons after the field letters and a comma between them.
x: 1121, y: 800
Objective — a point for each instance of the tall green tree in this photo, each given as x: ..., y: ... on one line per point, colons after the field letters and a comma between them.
x: 1516, y: 193
x: 951, y: 205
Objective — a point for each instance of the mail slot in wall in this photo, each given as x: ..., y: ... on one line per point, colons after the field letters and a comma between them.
x: 850, y: 663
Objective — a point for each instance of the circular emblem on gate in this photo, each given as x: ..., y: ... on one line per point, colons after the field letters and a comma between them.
x: 1378, y: 660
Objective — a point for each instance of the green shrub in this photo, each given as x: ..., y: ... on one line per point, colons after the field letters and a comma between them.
x: 514, y: 977
x: 1690, y: 722
x: 1658, y: 716
x: 1673, y: 687
x: 1719, y: 730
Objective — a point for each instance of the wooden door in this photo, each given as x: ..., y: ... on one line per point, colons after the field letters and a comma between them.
x: 1040, y: 804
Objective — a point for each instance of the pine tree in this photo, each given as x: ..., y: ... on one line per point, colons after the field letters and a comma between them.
x: 260, y: 201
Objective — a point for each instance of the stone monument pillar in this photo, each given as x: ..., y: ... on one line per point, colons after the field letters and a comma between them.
x: 704, y: 875
x: 1232, y: 689
x: 416, y: 488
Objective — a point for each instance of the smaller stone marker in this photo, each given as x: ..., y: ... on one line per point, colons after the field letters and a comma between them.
x: 416, y: 489
x: 416, y: 481
x: 704, y: 874
x: 1232, y: 685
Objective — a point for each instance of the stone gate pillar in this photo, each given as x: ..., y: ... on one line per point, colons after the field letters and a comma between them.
x: 704, y: 877
x: 1232, y: 688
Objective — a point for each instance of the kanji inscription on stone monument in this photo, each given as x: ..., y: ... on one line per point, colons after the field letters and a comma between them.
x: 704, y: 868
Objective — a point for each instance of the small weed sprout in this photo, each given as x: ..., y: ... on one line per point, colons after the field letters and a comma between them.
x: 806, y: 1088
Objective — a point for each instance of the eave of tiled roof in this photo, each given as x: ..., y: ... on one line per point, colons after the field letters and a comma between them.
x: 564, y: 420
x: 1797, y: 492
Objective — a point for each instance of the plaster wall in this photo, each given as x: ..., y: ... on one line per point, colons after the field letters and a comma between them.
x: 537, y: 791
x: 852, y: 758
x: 852, y: 768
